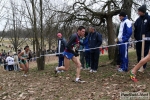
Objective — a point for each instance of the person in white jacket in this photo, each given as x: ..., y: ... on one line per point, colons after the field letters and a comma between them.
x: 125, y: 32
x: 10, y: 61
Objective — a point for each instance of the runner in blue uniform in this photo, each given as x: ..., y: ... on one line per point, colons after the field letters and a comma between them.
x: 71, y: 54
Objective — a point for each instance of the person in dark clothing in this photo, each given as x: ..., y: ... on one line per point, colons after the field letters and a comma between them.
x: 5, y: 64
x: 69, y: 53
x: 117, y: 55
x: 85, y: 44
x: 82, y: 55
x: 142, y: 26
x: 87, y: 51
x: 95, y: 40
x: 60, y: 49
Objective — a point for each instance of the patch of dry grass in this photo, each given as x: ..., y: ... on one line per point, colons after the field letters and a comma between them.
x: 106, y: 84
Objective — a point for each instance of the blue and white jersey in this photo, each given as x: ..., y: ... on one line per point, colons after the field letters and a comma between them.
x: 125, y: 30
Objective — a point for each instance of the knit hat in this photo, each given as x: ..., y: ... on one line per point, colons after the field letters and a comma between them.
x: 142, y: 8
x: 59, y: 34
x: 122, y: 14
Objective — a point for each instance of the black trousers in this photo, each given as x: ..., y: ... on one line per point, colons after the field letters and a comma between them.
x: 94, y: 59
x: 118, y: 60
x: 10, y: 67
x: 139, y: 50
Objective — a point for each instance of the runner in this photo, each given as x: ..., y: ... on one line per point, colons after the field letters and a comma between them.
x: 69, y: 53
x: 23, y: 60
x: 138, y: 66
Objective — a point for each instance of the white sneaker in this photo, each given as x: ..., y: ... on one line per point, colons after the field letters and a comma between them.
x: 91, y: 71
x: 24, y: 75
x: 120, y: 70
x: 94, y: 71
x: 58, y: 71
x: 79, y: 81
x: 141, y: 70
x: 62, y: 71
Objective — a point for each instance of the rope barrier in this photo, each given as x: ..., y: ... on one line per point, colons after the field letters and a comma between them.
x: 54, y: 54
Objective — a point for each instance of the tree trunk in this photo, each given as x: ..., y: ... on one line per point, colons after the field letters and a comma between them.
x: 16, y: 49
x: 33, y: 44
x: 111, y: 37
x: 36, y: 37
x: 49, y: 44
x: 127, y: 7
x: 41, y: 60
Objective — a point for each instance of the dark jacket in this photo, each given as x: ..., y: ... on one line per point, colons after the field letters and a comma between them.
x: 61, y: 46
x: 95, y: 40
x: 142, y: 26
x: 85, y: 43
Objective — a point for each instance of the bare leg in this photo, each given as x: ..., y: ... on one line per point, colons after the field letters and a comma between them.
x: 22, y: 67
x: 66, y: 63
x: 26, y: 68
x: 78, y: 65
x: 141, y: 63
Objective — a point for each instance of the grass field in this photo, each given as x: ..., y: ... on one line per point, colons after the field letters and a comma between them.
x: 106, y: 84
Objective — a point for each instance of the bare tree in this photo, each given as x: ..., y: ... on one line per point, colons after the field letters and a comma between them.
x: 15, y: 26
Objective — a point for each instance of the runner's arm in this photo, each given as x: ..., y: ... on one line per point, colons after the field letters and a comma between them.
x: 20, y: 54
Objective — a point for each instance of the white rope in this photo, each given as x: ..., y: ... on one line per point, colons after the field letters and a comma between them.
x: 54, y: 54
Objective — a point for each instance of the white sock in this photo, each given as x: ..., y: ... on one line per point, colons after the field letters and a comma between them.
x: 77, y: 79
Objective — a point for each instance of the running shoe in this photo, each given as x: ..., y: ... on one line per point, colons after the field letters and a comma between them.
x: 24, y: 75
x: 120, y: 70
x: 94, y: 71
x: 133, y: 76
x: 79, y: 81
x: 91, y: 71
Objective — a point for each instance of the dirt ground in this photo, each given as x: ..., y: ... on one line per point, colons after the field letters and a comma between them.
x: 106, y: 84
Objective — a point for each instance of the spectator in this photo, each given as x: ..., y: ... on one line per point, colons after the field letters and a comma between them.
x: 87, y: 51
x: 82, y: 53
x: 10, y: 61
x: 30, y: 56
x: 95, y: 40
x: 142, y: 26
x: 124, y: 35
x: 16, y: 62
x: 60, y: 49
x: 5, y: 64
